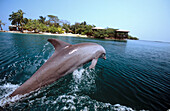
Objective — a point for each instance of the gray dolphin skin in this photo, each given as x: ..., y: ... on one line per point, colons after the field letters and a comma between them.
x: 65, y: 60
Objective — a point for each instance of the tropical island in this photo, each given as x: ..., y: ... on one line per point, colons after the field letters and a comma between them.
x: 53, y: 25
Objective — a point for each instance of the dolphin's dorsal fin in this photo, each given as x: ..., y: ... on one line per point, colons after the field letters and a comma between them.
x: 58, y: 44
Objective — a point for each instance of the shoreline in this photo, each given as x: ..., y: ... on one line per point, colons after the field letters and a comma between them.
x: 78, y: 35
x: 46, y: 33
x: 66, y: 34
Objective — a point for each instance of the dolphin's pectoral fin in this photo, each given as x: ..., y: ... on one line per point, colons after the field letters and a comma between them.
x: 93, y: 63
x: 58, y: 44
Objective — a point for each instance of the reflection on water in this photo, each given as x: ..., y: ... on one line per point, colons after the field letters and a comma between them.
x: 134, y: 76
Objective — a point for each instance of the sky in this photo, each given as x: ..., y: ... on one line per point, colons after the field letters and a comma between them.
x: 145, y: 19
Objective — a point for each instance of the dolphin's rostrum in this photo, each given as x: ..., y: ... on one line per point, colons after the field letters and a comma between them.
x: 65, y: 59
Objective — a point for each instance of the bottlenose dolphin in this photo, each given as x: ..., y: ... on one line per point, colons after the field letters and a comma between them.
x: 65, y: 60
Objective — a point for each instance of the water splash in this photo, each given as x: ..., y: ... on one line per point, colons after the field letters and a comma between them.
x: 15, y: 71
x: 8, y: 89
x: 85, y: 103
x: 83, y: 80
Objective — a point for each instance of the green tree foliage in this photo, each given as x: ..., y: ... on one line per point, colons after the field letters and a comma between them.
x: 83, y: 23
x: 132, y: 38
x: 38, y: 26
x: 53, y: 20
x: 82, y: 28
x: 1, y: 24
x: 100, y: 34
x: 75, y: 27
x: 42, y: 19
x: 25, y: 21
x: 110, y: 32
x: 60, y: 30
x: 35, y: 25
x: 88, y: 30
x: 29, y: 25
x: 43, y: 28
x: 67, y: 27
x: 54, y: 29
x: 17, y: 18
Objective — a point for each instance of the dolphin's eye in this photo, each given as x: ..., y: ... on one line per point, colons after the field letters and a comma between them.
x: 102, y: 55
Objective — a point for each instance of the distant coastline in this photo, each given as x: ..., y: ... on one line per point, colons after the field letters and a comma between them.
x: 65, y: 34
x: 55, y: 26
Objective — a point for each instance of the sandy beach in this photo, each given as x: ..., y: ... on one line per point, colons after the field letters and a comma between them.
x: 45, y: 33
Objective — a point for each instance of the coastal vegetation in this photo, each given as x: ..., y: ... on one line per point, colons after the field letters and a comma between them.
x: 53, y: 24
x: 17, y: 19
x: 1, y: 23
x: 132, y: 38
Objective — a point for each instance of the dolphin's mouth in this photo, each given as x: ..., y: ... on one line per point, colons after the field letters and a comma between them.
x: 104, y: 58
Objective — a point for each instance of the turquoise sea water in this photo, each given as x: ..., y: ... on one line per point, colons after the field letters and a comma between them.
x: 135, y: 76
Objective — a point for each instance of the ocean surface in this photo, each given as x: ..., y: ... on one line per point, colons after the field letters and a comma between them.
x: 135, y: 76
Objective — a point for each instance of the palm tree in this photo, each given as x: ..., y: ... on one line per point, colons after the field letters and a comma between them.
x: 53, y: 20
x: 42, y: 19
x: 21, y: 18
x: 17, y: 18
x: 1, y: 24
